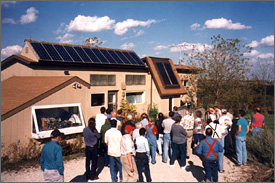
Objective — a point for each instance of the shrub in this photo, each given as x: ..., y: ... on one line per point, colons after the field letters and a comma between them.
x: 72, y: 147
x: 153, y: 112
x: 128, y: 108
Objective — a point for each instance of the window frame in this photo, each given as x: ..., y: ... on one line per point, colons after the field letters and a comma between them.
x: 142, y: 96
x: 103, y: 97
x: 135, y: 75
x: 100, y: 79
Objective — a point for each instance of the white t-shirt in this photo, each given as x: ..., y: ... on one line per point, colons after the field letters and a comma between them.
x: 100, y: 120
x: 225, y: 122
x: 215, y: 128
x: 113, y: 138
x: 212, y: 117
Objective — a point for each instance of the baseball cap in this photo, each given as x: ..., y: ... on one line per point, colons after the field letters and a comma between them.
x: 224, y: 111
x: 129, y: 128
x: 56, y: 133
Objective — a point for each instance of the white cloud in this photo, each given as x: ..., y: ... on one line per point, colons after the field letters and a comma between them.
x: 195, y: 26
x: 268, y: 41
x: 139, y: 33
x: 66, y: 38
x: 8, y: 21
x: 30, y: 16
x: 184, y: 47
x: 266, y: 55
x: 123, y: 27
x: 127, y: 46
x: 7, y: 4
x: 222, y: 23
x: 61, y: 28
x: 161, y: 47
x: 10, y: 50
x: 90, y: 24
x: 252, y: 53
x: 157, y: 53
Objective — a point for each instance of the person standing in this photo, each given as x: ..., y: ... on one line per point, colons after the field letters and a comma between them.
x: 100, y: 118
x: 136, y: 131
x: 51, y: 159
x: 257, y: 123
x: 113, y: 141
x: 243, y: 129
x: 210, y: 149
x: 199, y: 126
x: 167, y: 124
x: 212, y: 115
x: 152, y: 140
x: 142, y: 156
x: 129, y: 168
x: 178, y: 143
x: 187, y: 122
x: 234, y: 130
x: 91, y: 137
x: 104, y: 129
x: 128, y: 122
x: 144, y: 120
x: 225, y: 123
x: 176, y: 113
x: 158, y: 123
x: 218, y: 112
x: 119, y: 115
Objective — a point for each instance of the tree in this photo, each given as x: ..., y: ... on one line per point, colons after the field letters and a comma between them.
x: 93, y: 42
x: 223, y: 70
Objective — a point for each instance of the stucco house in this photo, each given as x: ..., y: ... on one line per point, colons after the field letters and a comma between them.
x: 62, y: 85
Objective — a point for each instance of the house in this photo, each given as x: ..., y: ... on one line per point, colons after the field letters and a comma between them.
x: 62, y: 85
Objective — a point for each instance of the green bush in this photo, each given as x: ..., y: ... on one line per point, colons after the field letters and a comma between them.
x: 153, y: 112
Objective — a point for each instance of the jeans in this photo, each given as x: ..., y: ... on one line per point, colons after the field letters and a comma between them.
x: 160, y: 142
x: 221, y: 154
x: 256, y: 131
x: 105, y: 154
x: 178, y: 149
x: 241, y: 150
x: 197, y: 138
x: 211, y: 169
x: 166, y: 145
x: 91, y: 155
x: 142, y: 160
x: 113, y: 161
x: 153, y: 148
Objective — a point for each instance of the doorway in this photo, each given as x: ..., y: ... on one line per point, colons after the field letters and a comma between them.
x: 112, y: 100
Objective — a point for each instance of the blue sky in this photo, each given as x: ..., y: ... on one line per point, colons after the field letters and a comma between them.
x: 150, y: 28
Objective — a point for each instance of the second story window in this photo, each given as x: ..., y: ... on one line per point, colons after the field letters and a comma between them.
x: 102, y: 80
x: 135, y: 79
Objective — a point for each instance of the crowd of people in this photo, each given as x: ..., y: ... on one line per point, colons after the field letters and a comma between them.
x: 129, y: 147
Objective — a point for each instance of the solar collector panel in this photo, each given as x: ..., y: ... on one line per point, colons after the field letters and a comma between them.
x: 163, y: 74
x: 116, y: 57
x: 92, y: 55
x: 132, y: 61
x: 82, y: 54
x: 63, y: 53
x: 40, y: 50
x: 100, y: 55
x: 52, y: 52
x: 136, y: 58
x: 108, y: 56
x: 122, y: 57
x: 70, y: 50
x: 171, y: 74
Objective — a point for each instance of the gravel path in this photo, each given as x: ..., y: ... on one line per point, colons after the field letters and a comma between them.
x: 160, y: 172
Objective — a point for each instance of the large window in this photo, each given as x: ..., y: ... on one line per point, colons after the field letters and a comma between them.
x: 135, y: 79
x: 66, y: 117
x: 102, y: 80
x: 135, y: 98
x: 97, y: 99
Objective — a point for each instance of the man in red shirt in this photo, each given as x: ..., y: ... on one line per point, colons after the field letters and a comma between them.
x: 257, y: 123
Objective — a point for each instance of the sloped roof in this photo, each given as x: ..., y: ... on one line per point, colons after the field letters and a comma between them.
x: 20, y: 92
x: 185, y: 67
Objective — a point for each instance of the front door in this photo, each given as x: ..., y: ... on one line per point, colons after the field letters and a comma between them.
x: 112, y: 100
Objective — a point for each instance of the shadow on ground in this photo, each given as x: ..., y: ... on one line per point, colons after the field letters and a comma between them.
x: 197, y: 171
x: 82, y: 178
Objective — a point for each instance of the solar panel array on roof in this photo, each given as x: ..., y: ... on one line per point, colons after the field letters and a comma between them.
x: 167, y: 73
x: 67, y: 53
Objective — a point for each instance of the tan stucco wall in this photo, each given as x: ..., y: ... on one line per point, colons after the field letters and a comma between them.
x: 16, y: 69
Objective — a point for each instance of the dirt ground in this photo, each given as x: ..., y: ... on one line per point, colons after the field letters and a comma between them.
x: 160, y: 172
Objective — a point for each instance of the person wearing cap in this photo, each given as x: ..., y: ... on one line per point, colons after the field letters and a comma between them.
x: 257, y: 123
x: 210, y: 148
x: 91, y: 137
x: 129, y: 168
x: 128, y: 122
x: 52, y: 160
x: 225, y: 123
x: 151, y: 137
x: 113, y: 141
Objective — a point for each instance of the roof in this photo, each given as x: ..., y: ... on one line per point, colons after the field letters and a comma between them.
x: 165, y: 76
x: 16, y: 58
x: 185, y: 67
x: 20, y: 92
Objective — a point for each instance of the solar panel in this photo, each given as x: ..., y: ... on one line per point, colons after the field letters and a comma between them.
x: 72, y: 53
x: 163, y: 74
x: 171, y: 74
x: 63, y: 53
x: 40, y: 50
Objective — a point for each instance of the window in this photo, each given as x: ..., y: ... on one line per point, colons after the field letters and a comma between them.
x: 102, y: 80
x: 97, y: 99
x: 135, y: 98
x: 185, y: 82
x: 135, y: 79
x: 66, y: 117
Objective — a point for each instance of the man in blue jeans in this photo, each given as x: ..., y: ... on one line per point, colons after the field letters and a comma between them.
x: 243, y: 128
x: 210, y: 148
x: 167, y: 124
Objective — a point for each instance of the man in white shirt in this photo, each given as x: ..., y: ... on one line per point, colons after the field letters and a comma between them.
x: 225, y: 123
x: 187, y: 122
x: 100, y: 118
x: 218, y: 112
x: 167, y: 124
x: 142, y: 156
x: 113, y: 141
x: 129, y: 169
